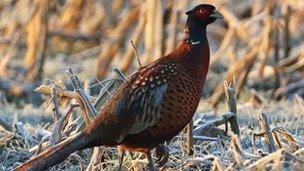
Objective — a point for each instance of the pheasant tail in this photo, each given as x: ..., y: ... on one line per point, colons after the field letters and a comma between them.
x: 56, y: 154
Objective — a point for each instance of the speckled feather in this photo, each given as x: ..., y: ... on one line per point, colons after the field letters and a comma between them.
x: 148, y: 90
x: 178, y: 103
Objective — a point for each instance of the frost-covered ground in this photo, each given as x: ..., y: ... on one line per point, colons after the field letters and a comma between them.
x: 35, y: 123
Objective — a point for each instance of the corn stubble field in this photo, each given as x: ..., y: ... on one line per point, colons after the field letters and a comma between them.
x: 251, y: 113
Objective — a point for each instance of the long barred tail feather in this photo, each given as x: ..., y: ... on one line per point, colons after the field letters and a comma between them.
x: 55, y: 154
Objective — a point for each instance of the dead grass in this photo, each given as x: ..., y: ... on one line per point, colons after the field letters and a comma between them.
x: 15, y: 145
x: 259, y: 46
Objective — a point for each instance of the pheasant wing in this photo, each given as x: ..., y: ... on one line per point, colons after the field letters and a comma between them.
x: 146, y: 94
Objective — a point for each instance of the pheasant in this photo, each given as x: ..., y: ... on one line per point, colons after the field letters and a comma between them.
x: 152, y: 105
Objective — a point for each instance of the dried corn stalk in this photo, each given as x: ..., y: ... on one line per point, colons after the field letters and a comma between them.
x: 71, y: 15
x: 110, y: 48
x: 235, y: 70
x: 36, y: 41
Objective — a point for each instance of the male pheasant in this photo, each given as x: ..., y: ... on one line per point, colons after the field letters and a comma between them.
x: 153, y: 105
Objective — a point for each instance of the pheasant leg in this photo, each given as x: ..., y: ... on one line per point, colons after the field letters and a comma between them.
x: 150, y: 165
x: 161, y: 153
x: 121, y: 154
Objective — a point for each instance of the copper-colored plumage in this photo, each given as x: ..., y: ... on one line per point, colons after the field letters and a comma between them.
x: 152, y: 105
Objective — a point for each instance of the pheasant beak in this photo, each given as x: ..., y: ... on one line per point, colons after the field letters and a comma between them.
x: 188, y: 12
x: 217, y: 15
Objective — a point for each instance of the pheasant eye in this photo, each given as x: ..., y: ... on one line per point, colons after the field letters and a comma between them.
x: 201, y: 14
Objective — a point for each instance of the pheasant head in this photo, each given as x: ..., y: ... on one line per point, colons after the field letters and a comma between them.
x: 202, y: 15
x: 193, y: 53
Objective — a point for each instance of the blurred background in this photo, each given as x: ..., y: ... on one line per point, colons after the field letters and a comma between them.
x: 260, y: 43
x: 259, y: 47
